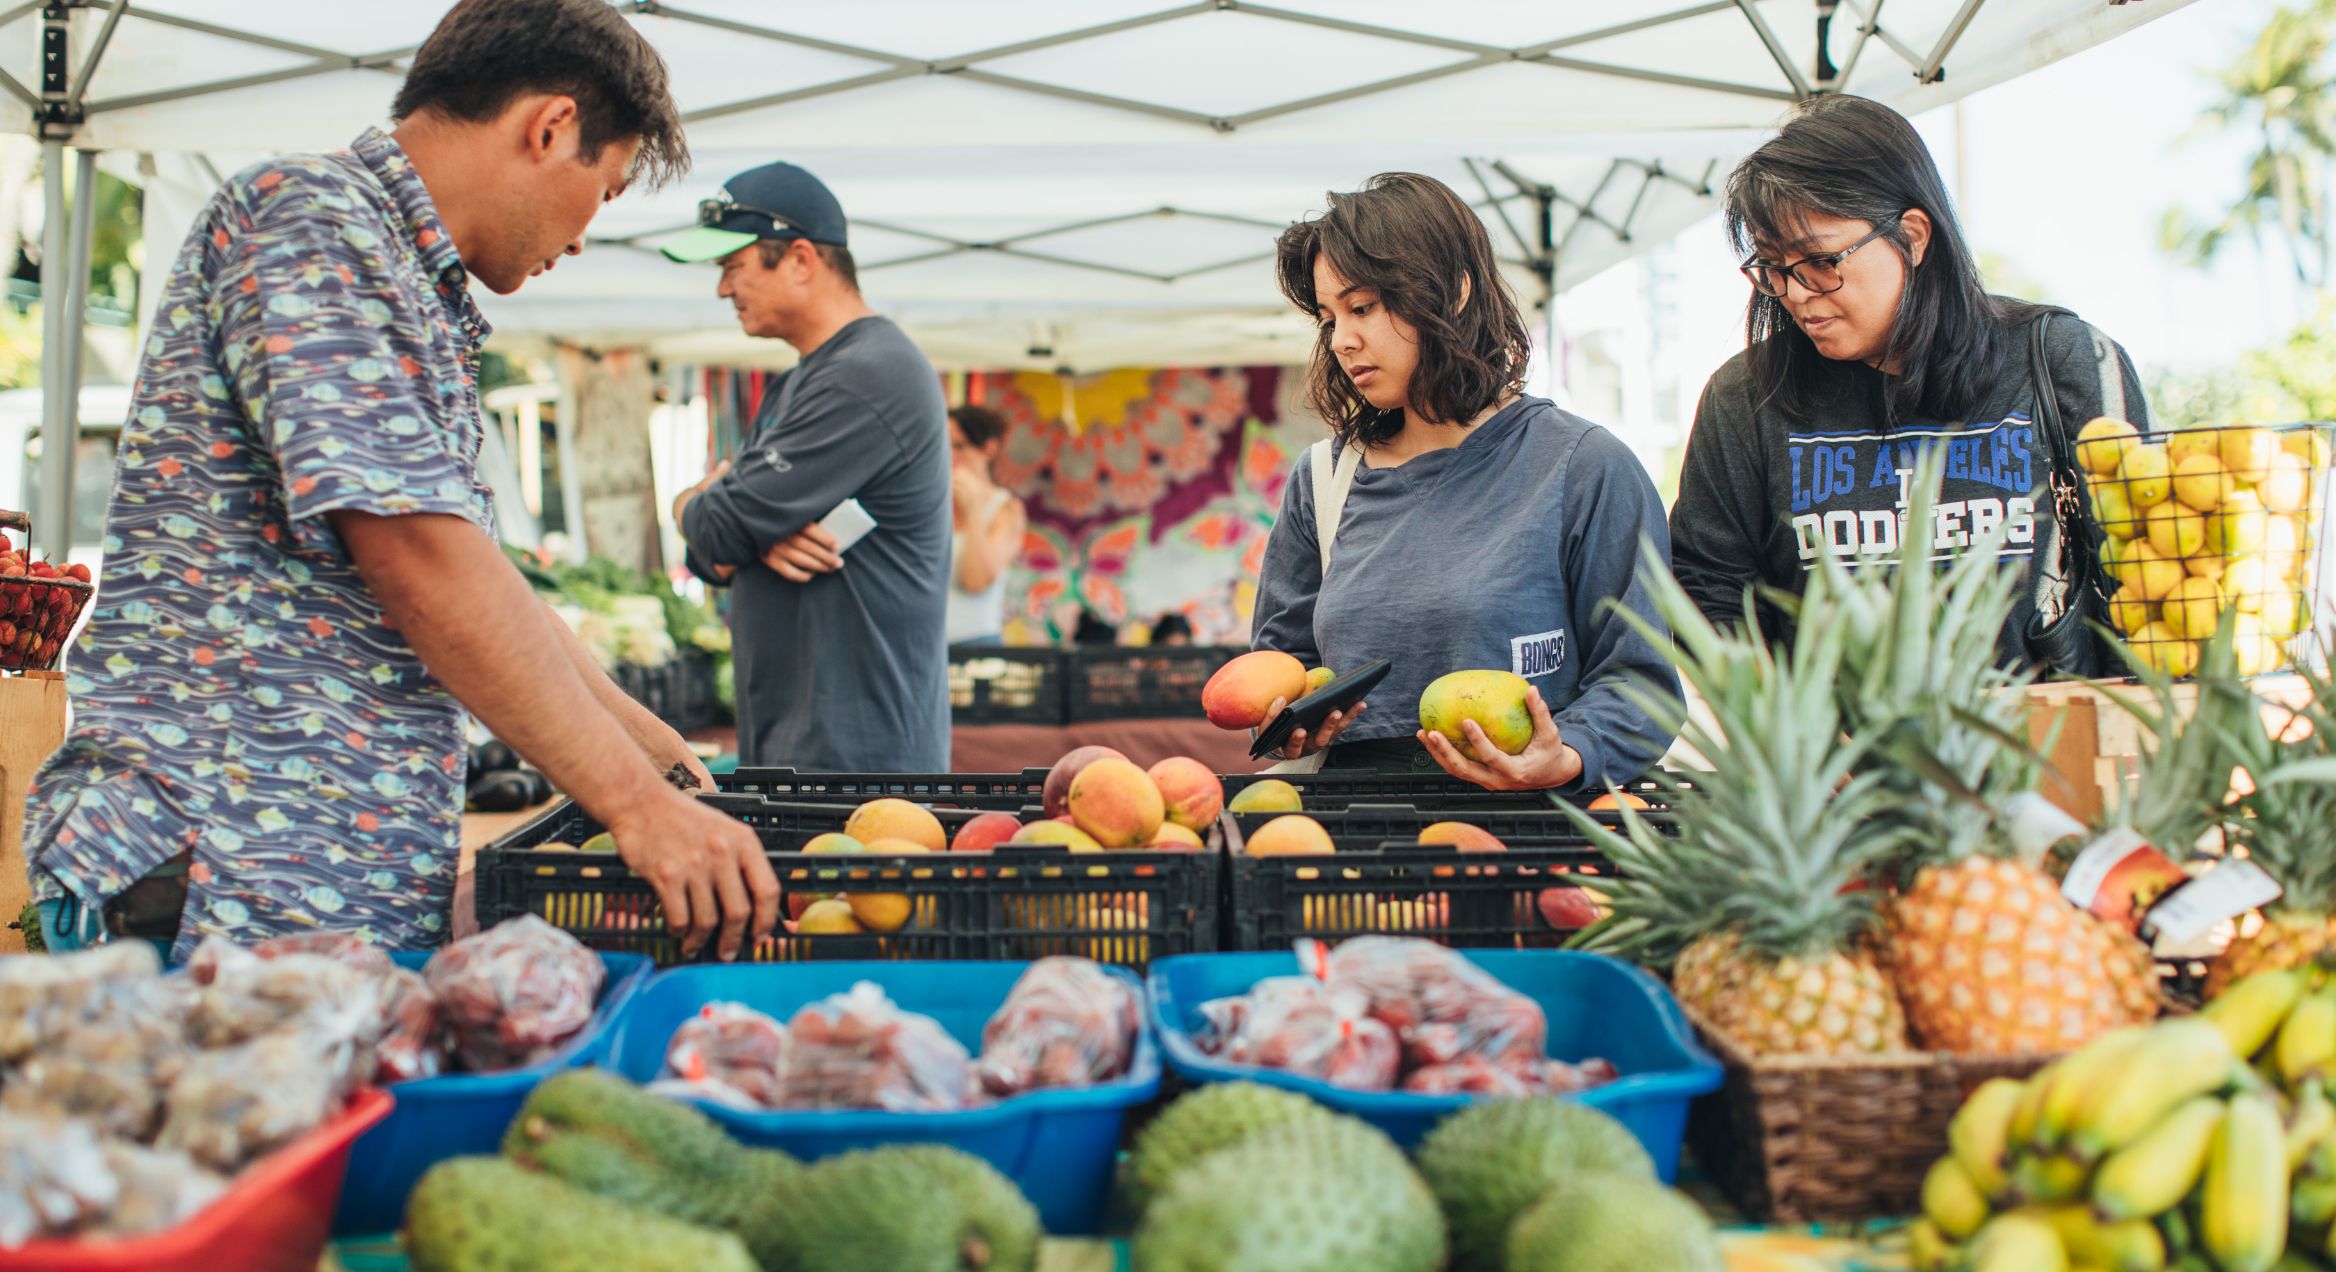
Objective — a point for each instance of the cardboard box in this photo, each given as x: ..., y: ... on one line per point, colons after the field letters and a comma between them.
x: 32, y: 724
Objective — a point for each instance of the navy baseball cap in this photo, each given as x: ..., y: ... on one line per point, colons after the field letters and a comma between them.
x: 775, y: 201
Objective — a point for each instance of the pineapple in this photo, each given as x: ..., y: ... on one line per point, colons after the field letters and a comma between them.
x: 1986, y: 955
x: 1755, y: 904
x: 2286, y: 819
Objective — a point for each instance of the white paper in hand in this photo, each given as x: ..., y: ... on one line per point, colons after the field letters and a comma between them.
x: 849, y: 523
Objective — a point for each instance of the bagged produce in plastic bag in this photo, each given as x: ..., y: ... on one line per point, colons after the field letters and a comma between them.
x: 53, y: 1176
x: 513, y: 994
x: 1441, y: 1006
x: 1300, y: 1024
x: 858, y: 1050
x: 1474, y: 1075
x: 728, y: 1053
x: 232, y: 1104
x: 41, y: 997
x: 108, y: 1059
x: 342, y: 947
x: 157, y: 1191
x: 1066, y: 1023
x: 248, y: 996
x: 410, y: 1043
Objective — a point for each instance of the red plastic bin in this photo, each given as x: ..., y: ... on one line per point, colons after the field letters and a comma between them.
x: 277, y: 1217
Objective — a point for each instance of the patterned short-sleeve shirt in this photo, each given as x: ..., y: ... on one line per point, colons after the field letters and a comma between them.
x: 238, y: 690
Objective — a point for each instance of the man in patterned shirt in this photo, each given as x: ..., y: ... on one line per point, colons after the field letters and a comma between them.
x: 302, y: 592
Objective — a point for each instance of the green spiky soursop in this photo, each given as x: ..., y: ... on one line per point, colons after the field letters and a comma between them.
x: 1612, y: 1223
x: 919, y: 1208
x: 1310, y: 1195
x: 1212, y: 1118
x: 485, y: 1214
x: 1489, y: 1161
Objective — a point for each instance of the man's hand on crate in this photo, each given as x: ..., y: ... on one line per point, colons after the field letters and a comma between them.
x: 707, y: 867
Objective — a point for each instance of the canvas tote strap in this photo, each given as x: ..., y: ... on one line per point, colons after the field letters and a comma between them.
x: 1332, y: 479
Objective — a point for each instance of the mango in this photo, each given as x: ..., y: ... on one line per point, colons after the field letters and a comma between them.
x: 602, y: 842
x: 2101, y: 444
x: 2147, y: 475
x: 984, y: 833
x: 1116, y: 803
x: 831, y: 842
x: 2201, y: 481
x: 1494, y: 699
x: 1193, y: 795
x: 1243, y: 690
x: 830, y: 916
x: 1616, y: 800
x: 1463, y: 836
x: 1055, y: 832
x: 1319, y: 677
x: 1175, y: 838
x: 1272, y: 795
x: 1291, y: 836
x: 896, y: 819
x: 1056, y: 793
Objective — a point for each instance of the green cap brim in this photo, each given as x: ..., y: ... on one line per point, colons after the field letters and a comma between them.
x: 705, y: 243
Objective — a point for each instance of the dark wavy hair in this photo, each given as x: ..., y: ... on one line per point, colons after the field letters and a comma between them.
x: 486, y: 54
x: 1861, y: 161
x: 980, y: 424
x: 1415, y: 243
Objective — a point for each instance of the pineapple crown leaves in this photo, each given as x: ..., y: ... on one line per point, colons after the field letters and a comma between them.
x: 1771, y: 841
x: 2176, y: 795
x: 2285, y: 821
x: 1921, y: 667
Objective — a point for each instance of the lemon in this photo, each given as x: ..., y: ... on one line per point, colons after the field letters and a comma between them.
x: 2192, y: 609
x: 2112, y: 509
x: 2200, y: 481
x: 2101, y: 444
x: 2165, y: 651
x: 2129, y: 615
x: 2287, y: 484
x: 2187, y: 442
x: 2175, y: 531
x: 2246, y: 452
x: 2147, y: 474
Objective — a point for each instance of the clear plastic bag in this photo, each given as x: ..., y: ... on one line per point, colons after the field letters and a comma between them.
x: 53, y: 1176
x: 410, y: 1043
x: 348, y: 948
x: 233, y: 1104
x: 43, y: 997
x: 513, y: 994
x: 858, y: 1050
x: 1066, y: 1023
x: 1441, y: 1006
x: 158, y: 1191
x: 248, y: 996
x: 108, y: 1059
x: 1474, y: 1075
x: 729, y: 1053
x: 1302, y: 1025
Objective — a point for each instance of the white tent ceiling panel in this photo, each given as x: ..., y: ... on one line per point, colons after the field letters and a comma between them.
x: 1007, y: 162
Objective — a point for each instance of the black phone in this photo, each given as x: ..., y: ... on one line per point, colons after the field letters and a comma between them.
x: 1309, y: 712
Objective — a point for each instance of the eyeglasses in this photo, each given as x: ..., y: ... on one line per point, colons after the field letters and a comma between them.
x: 1819, y: 274
x: 713, y: 212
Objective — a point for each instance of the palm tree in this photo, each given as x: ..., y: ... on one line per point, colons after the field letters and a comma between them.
x: 2279, y: 93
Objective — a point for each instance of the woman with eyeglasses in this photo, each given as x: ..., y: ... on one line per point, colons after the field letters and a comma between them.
x: 1869, y: 341
x: 1452, y: 522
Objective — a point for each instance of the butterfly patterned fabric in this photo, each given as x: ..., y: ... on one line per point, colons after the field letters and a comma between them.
x: 237, y: 691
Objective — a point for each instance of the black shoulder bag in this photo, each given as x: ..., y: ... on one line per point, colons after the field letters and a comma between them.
x: 2068, y: 592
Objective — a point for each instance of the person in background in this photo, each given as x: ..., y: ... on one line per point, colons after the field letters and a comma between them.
x: 1869, y: 340
x: 988, y: 524
x: 840, y: 668
x: 1475, y: 527
x: 302, y: 591
x: 1092, y: 630
x: 1172, y: 629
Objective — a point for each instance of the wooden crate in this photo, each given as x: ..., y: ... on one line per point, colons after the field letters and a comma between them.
x: 32, y: 724
x: 2098, y: 745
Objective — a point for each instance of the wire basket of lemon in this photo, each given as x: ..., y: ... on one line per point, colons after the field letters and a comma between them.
x: 2207, y: 520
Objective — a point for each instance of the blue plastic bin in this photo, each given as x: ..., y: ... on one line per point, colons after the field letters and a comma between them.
x: 1058, y: 1146
x: 462, y: 1113
x: 1596, y: 1006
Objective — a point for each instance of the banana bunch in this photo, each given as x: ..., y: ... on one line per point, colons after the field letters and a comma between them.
x: 2206, y: 1144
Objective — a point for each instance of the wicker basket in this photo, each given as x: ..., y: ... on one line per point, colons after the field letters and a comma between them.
x: 1807, y: 1139
x: 36, y: 613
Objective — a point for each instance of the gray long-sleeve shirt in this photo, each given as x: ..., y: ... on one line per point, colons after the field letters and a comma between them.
x: 1498, y: 553
x: 848, y: 672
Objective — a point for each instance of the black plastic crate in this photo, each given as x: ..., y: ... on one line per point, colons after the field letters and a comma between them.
x: 1335, y: 789
x: 1478, y: 900
x: 1146, y: 683
x: 1402, y: 823
x: 1125, y: 907
x: 1002, y: 684
x: 1003, y: 792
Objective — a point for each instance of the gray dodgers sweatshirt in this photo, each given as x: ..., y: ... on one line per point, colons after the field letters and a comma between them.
x: 1498, y: 553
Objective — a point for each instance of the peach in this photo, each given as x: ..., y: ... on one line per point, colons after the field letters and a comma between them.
x: 1062, y: 833
x: 1175, y: 838
x: 1272, y: 795
x: 985, y: 832
x: 1292, y: 836
x: 896, y: 819
x: 1243, y: 690
x: 1462, y: 836
x: 1494, y: 699
x: 1056, y: 794
x: 1192, y: 793
x: 1116, y: 802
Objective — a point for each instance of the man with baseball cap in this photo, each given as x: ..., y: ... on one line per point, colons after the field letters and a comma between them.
x: 841, y: 659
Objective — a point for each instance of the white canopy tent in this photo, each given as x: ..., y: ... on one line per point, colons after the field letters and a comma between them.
x: 1086, y: 183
